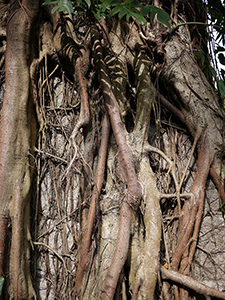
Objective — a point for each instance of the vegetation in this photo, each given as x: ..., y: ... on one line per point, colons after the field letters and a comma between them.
x: 112, y: 126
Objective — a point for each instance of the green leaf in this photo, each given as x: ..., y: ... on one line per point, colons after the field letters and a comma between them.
x: 97, y: 14
x: 164, y: 19
x: 202, y: 56
x: 2, y: 279
x: 55, y: 9
x: 50, y: 2
x: 135, y: 4
x: 107, y: 2
x: 128, y: 16
x: 152, y: 15
x: 88, y: 3
x: 162, y: 16
x: 123, y: 11
x: 212, y: 71
x: 139, y: 18
x: 146, y: 9
x: 221, y: 87
x: 116, y: 10
x: 221, y: 58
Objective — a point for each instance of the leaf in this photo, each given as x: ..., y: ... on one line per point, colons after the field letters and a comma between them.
x: 221, y: 87
x: 88, y: 3
x: 55, y: 9
x: 139, y: 18
x: 212, y: 71
x: 135, y: 4
x: 146, y: 9
x: 164, y: 19
x: 116, y: 10
x: 50, y: 2
x: 2, y: 279
x: 202, y: 56
x: 97, y: 14
x: 221, y: 58
x: 107, y: 2
x: 162, y: 16
x: 152, y: 16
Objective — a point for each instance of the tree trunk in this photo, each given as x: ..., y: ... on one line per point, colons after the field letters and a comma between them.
x: 115, y: 199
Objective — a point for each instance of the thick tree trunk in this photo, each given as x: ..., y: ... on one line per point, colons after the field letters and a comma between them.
x: 103, y: 185
x: 17, y: 137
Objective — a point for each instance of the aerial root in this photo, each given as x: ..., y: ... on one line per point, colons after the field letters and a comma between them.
x: 86, y: 239
x: 191, y: 283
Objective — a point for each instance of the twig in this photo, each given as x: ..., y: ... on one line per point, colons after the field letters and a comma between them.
x: 60, y: 221
x: 58, y: 255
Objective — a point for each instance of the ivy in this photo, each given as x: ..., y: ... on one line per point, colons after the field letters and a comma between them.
x: 109, y: 8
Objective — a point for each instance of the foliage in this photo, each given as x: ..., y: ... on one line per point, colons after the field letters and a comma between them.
x: 109, y: 8
x: 2, y: 279
x: 62, y: 5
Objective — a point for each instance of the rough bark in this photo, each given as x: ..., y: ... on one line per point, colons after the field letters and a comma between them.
x: 17, y: 137
x: 97, y: 224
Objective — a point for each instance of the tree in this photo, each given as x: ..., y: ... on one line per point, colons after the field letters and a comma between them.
x: 86, y: 178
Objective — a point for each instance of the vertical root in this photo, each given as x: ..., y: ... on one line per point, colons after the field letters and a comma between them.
x: 16, y: 245
x: 86, y: 240
x: 191, y: 213
x: 3, y: 225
